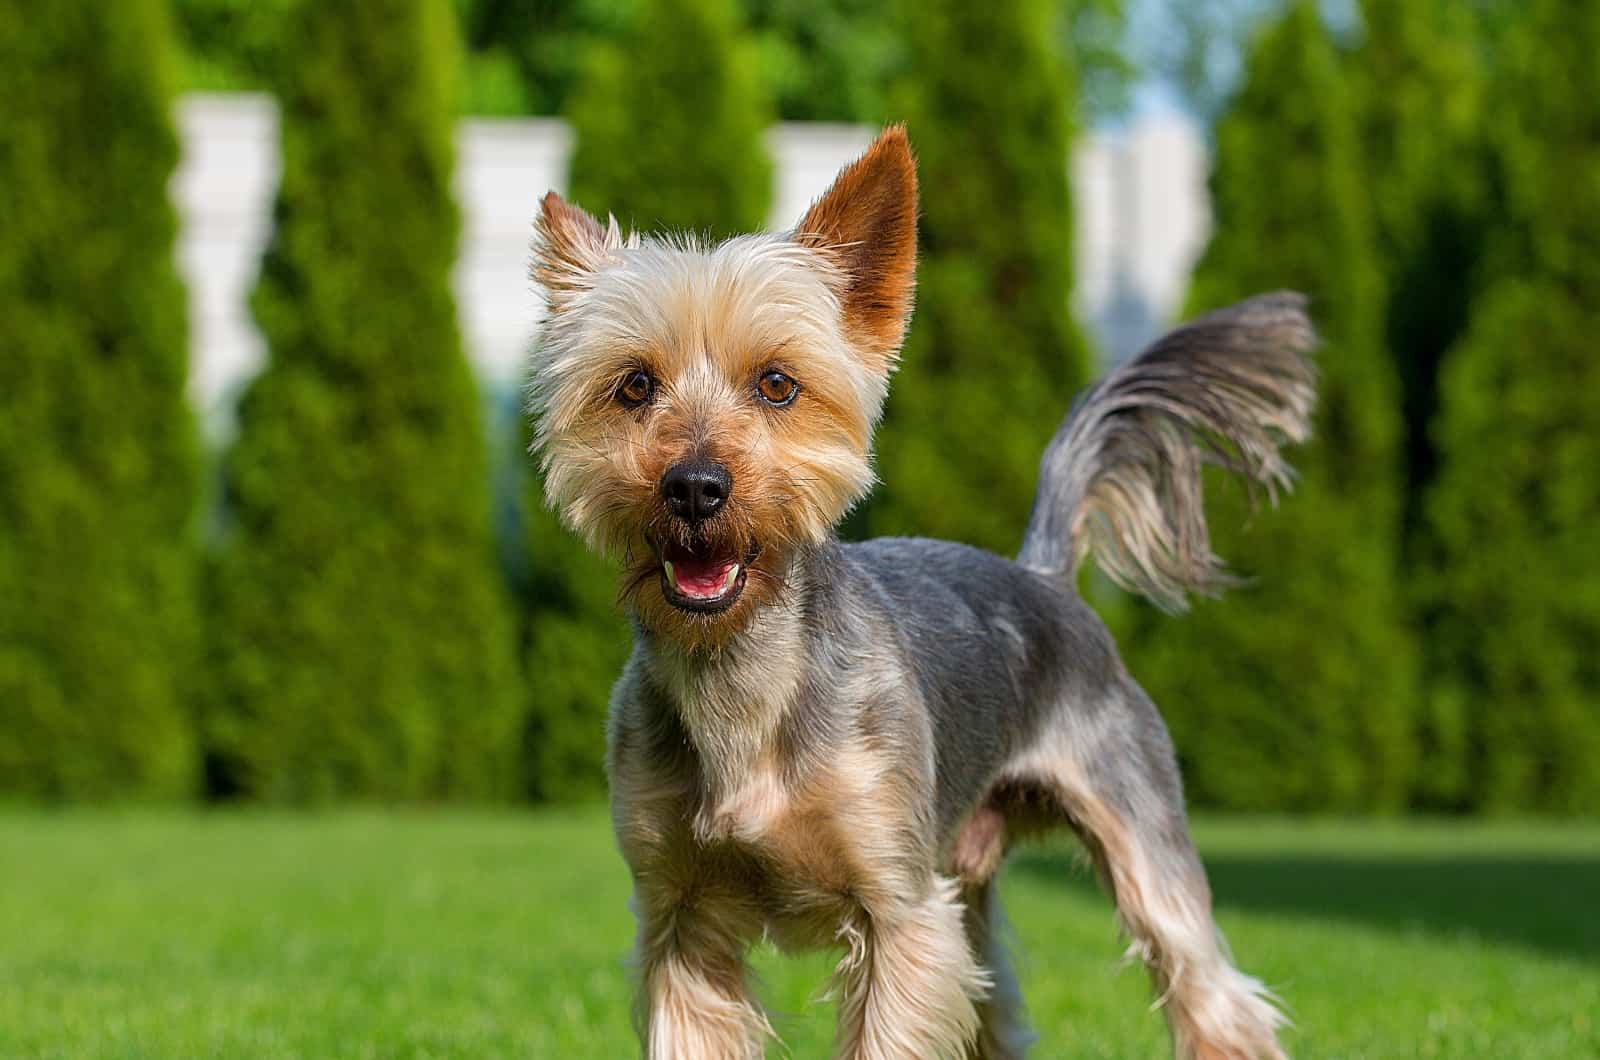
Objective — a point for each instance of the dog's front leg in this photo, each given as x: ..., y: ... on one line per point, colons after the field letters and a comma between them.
x: 694, y: 1004
x: 909, y: 984
x: 696, y: 917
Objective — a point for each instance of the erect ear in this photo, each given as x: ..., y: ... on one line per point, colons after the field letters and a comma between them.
x: 867, y: 224
x: 572, y: 246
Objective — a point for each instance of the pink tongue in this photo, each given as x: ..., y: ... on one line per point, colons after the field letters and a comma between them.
x: 700, y: 577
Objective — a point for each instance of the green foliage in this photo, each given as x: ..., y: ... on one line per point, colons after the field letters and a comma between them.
x: 1295, y: 692
x: 825, y: 60
x: 993, y: 357
x: 577, y: 643
x: 1512, y: 516
x: 98, y: 470
x: 539, y: 43
x: 231, y: 45
x: 1095, y: 36
x: 1420, y: 77
x: 822, y: 60
x: 697, y: 161
x: 834, y: 60
x: 363, y: 644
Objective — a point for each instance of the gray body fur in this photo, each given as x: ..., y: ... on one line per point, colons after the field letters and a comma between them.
x: 969, y: 654
x: 977, y: 681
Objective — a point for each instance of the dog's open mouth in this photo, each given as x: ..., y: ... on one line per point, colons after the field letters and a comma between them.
x: 703, y: 580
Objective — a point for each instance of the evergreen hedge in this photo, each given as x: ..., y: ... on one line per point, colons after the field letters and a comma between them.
x: 825, y: 60
x: 993, y: 357
x: 670, y: 121
x: 98, y: 468
x: 1513, y: 514
x: 1420, y: 77
x: 578, y: 640
x: 363, y: 643
x: 231, y: 44
x: 1297, y: 692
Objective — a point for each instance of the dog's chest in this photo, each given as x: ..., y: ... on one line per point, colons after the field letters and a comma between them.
x: 800, y: 861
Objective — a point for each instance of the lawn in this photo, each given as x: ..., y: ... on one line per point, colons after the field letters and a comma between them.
x: 169, y: 934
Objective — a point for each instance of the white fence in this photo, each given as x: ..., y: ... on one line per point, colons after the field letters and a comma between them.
x: 1141, y: 218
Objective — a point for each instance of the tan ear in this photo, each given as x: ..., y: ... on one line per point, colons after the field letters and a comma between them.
x: 572, y: 246
x: 867, y: 223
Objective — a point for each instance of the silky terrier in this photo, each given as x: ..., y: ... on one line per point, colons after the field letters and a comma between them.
x: 832, y: 744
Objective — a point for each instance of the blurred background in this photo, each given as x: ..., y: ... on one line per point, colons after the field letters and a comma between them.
x: 269, y: 533
x: 303, y: 689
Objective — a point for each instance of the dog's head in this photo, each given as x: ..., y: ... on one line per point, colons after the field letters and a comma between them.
x: 704, y: 411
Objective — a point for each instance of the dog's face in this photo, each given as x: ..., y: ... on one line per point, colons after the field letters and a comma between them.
x: 703, y: 412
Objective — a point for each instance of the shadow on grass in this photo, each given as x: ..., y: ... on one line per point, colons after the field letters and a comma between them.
x: 1545, y: 903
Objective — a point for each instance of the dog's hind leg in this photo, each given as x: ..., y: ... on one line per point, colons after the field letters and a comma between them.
x: 1003, y: 1033
x: 1112, y: 769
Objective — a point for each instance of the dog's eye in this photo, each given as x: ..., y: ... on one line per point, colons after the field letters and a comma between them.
x: 636, y: 389
x: 776, y: 388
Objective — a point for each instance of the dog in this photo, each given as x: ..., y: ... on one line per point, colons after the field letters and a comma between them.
x: 834, y: 744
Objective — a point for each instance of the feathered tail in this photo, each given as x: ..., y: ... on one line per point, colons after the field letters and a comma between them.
x: 1121, y: 478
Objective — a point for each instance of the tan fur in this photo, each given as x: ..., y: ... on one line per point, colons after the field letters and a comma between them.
x: 571, y: 247
x: 1214, y: 1011
x: 980, y: 845
x: 693, y: 931
x: 715, y: 864
x: 706, y: 323
x: 827, y: 307
x: 908, y: 990
x: 731, y: 834
x: 867, y: 223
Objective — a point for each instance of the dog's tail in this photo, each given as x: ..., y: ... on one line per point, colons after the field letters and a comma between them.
x: 1121, y: 478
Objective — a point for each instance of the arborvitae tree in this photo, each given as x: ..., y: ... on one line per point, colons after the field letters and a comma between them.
x: 98, y: 468
x: 1419, y: 77
x: 1296, y: 691
x: 993, y: 357
x: 670, y: 121
x: 230, y: 45
x: 577, y: 643
x: 542, y: 44
x: 364, y: 644
x: 1514, y: 512
x: 826, y: 60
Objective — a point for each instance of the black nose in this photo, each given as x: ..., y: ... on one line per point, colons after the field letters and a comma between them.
x: 695, y: 489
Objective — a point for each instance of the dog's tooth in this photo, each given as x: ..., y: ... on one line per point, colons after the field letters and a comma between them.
x: 672, y: 579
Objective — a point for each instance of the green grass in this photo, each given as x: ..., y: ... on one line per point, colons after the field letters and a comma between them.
x: 168, y: 934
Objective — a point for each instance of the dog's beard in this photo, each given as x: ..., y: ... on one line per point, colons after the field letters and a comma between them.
x: 699, y: 587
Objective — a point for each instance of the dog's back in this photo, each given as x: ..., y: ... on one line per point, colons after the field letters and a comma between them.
x: 991, y: 647
x: 1000, y: 649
